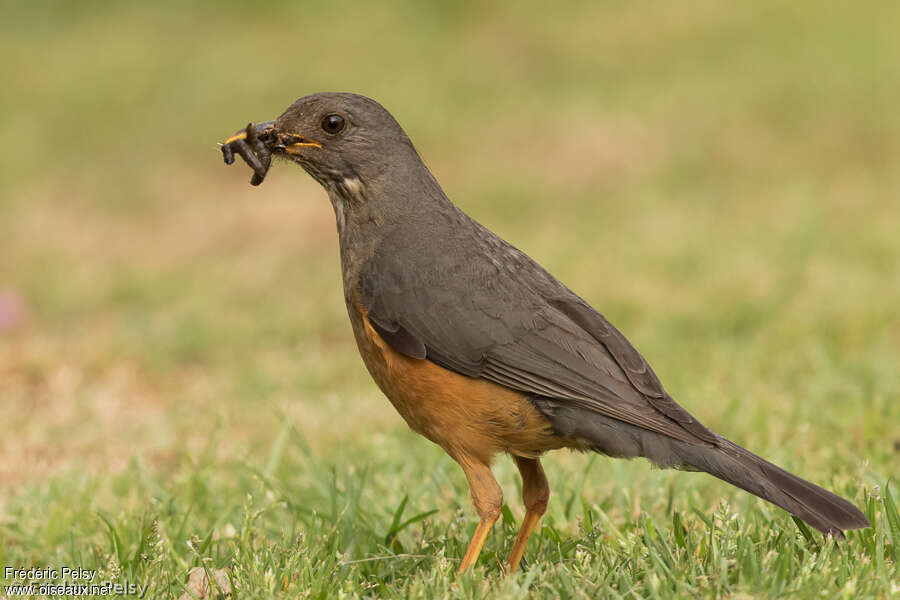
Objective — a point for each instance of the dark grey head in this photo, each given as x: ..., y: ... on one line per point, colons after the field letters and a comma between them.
x: 353, y: 147
x: 346, y: 138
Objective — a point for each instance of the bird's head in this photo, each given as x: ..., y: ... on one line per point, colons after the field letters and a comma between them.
x: 343, y: 137
x: 353, y: 147
x: 339, y: 138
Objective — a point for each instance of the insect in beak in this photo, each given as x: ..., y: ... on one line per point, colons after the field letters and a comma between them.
x: 252, y: 144
x: 256, y: 144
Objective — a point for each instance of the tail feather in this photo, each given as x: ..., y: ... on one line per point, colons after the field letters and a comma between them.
x: 827, y: 512
x: 587, y: 429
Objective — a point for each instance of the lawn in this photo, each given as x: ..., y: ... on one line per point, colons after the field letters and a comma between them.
x: 179, y: 386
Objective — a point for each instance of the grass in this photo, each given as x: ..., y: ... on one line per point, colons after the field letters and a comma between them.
x: 292, y: 525
x: 180, y: 387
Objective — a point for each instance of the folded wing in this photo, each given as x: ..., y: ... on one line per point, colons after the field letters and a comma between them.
x: 512, y: 323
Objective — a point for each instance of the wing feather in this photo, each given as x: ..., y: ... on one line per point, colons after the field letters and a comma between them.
x: 507, y: 320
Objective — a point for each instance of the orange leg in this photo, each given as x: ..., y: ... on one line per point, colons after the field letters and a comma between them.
x: 487, y: 498
x: 535, y: 494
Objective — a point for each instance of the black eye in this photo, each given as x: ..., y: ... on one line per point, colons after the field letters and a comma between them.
x: 333, y: 123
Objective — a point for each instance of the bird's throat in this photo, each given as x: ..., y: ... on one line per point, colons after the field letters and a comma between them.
x: 340, y: 211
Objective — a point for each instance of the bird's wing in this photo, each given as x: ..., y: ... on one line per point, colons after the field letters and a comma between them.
x: 508, y: 321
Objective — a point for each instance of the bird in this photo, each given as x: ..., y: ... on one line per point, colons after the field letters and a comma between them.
x: 479, y: 348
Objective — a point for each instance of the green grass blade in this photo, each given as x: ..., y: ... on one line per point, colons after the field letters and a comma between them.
x: 893, y: 520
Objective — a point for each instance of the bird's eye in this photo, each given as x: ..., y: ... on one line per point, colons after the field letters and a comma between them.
x: 333, y: 123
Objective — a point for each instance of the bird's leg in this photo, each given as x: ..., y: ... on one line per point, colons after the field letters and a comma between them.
x: 487, y: 498
x: 535, y: 494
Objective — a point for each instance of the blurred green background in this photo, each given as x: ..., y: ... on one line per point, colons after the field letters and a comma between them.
x: 719, y: 179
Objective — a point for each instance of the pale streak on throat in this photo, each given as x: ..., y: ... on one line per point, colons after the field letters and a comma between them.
x: 354, y: 187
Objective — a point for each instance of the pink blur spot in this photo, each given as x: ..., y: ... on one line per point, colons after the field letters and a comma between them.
x: 12, y: 310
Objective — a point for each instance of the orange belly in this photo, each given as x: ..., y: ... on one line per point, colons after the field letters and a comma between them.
x: 467, y: 417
